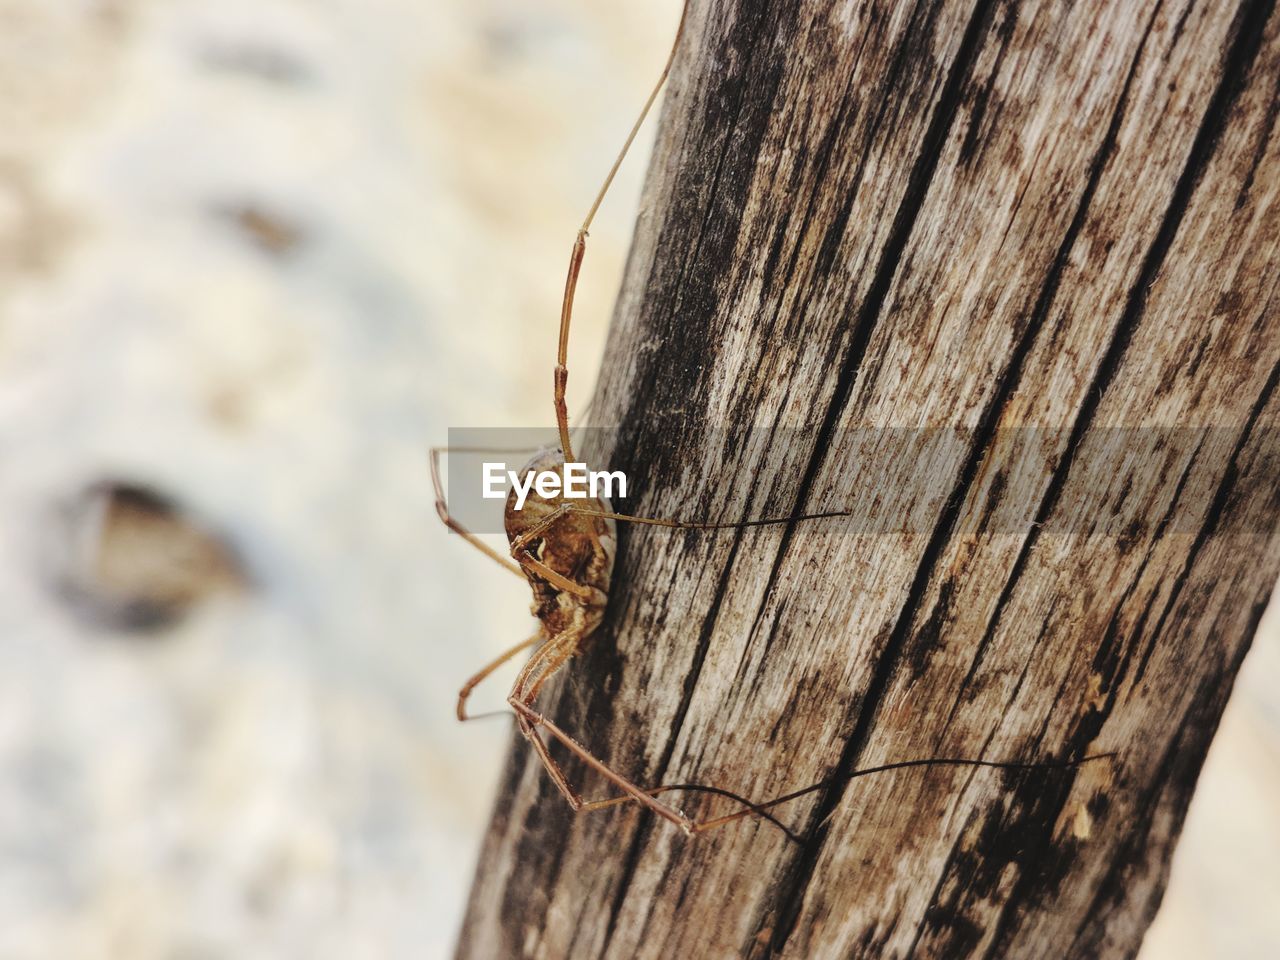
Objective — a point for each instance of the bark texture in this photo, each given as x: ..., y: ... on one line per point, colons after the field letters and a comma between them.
x: 982, y: 216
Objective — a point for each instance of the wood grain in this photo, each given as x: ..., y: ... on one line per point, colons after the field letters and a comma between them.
x: 867, y: 225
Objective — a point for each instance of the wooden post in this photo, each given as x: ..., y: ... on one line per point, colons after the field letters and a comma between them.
x: 1027, y: 225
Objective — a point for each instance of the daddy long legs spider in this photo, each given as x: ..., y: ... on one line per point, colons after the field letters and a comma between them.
x: 565, y: 549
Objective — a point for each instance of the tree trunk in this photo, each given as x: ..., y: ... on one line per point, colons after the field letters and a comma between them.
x: 1002, y: 278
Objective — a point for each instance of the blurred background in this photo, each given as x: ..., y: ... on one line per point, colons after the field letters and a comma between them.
x: 255, y: 258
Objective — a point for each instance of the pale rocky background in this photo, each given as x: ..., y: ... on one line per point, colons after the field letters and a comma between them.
x: 255, y: 257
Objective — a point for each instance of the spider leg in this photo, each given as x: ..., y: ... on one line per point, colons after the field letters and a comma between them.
x: 580, y: 249
x: 648, y: 798
x: 442, y: 508
x: 528, y: 689
x: 690, y: 525
x: 758, y: 809
x: 484, y: 672
x: 532, y: 720
x: 552, y: 768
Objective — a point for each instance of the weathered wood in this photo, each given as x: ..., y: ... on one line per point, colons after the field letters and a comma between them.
x: 985, y: 216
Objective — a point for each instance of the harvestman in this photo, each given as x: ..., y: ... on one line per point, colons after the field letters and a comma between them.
x: 566, y: 551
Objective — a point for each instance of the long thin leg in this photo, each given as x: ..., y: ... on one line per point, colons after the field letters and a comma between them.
x: 690, y: 525
x: 555, y: 660
x: 519, y: 544
x: 590, y: 806
x: 633, y: 794
x: 533, y: 720
x: 648, y: 797
x: 442, y: 508
x: 761, y: 809
x: 520, y: 551
x: 580, y: 248
x: 555, y: 651
x: 552, y: 768
x: 484, y: 672
x: 758, y: 808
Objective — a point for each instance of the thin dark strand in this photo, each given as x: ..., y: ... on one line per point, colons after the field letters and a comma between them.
x: 761, y: 810
x: 693, y: 525
x: 489, y: 715
x: 737, y: 798
x: 935, y: 762
x: 1001, y: 764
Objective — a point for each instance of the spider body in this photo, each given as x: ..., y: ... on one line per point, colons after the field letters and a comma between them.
x: 567, y: 557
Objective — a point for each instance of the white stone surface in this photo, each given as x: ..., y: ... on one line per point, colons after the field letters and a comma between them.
x: 280, y: 774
